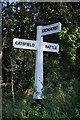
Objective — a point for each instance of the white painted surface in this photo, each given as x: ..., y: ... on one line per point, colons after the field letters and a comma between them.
x: 39, y: 67
x: 39, y: 46
x: 50, y: 47
x: 24, y: 44
x: 50, y: 29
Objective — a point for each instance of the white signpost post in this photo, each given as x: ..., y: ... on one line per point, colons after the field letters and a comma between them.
x: 39, y: 46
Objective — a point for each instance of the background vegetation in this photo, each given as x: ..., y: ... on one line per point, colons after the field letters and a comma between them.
x: 61, y: 70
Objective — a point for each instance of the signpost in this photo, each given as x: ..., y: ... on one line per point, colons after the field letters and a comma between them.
x: 50, y: 29
x: 50, y: 47
x: 39, y: 46
x: 24, y: 44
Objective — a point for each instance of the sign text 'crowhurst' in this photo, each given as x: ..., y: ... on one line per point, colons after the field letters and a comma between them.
x: 50, y: 29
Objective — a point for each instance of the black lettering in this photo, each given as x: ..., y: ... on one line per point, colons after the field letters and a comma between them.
x: 55, y: 47
x: 33, y: 44
x: 49, y: 29
x: 19, y: 43
x: 24, y: 43
x: 46, y: 46
x: 28, y: 44
x: 16, y: 42
x: 56, y: 27
x: 51, y: 47
x: 52, y: 28
x: 44, y: 30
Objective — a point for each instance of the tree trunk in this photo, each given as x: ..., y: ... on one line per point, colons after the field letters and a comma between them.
x: 12, y: 81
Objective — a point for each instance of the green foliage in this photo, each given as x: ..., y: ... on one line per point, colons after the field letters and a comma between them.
x: 48, y: 108
x: 61, y: 70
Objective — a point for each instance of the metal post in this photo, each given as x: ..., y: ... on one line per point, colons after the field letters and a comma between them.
x: 39, y: 66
